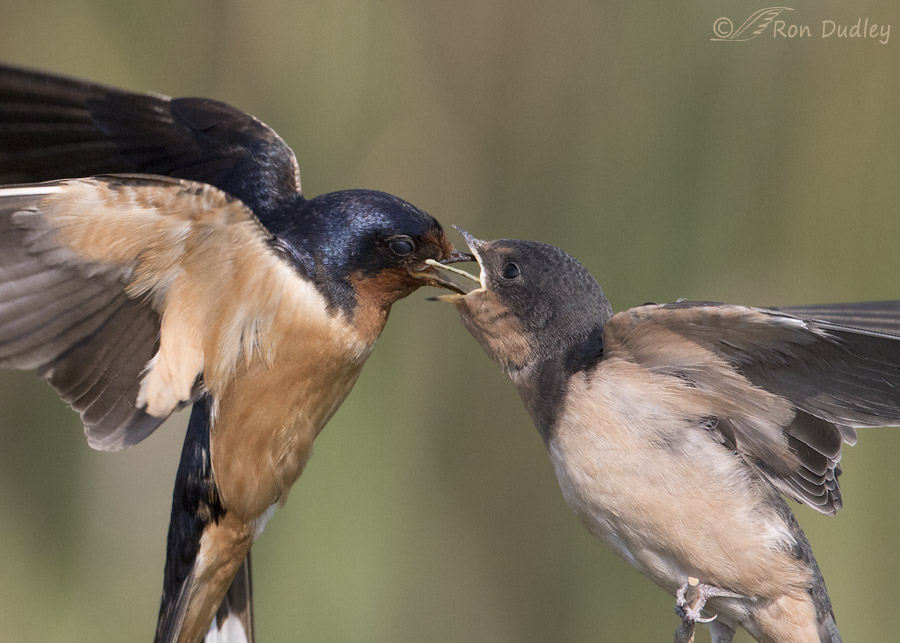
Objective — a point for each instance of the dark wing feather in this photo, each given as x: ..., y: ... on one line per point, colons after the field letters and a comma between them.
x: 98, y: 280
x: 873, y: 316
x: 831, y: 378
x: 77, y: 328
x: 54, y: 127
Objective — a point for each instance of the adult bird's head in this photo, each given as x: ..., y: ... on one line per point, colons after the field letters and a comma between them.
x: 365, y: 250
x: 531, y: 302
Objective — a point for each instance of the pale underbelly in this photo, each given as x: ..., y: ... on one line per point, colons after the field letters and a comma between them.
x: 671, y: 524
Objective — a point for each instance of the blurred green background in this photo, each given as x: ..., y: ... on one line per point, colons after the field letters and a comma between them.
x: 758, y: 172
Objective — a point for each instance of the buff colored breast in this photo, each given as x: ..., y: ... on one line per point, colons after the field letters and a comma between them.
x: 669, y: 499
x: 267, y: 416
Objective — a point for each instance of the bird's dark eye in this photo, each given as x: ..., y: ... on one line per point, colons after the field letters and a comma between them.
x: 402, y: 246
x: 511, y: 271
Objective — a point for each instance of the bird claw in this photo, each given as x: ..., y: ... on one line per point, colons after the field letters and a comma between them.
x: 690, y: 599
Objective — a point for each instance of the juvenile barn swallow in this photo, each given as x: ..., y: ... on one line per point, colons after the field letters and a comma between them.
x: 675, y: 429
x: 199, y: 274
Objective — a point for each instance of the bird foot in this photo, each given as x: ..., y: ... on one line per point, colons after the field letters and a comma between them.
x: 690, y: 599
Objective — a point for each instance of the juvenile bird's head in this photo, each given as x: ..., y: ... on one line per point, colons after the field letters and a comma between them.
x: 365, y: 250
x: 531, y: 302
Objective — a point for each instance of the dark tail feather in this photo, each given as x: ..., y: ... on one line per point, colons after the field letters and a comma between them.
x: 172, y: 612
x: 195, y: 505
x: 828, y: 630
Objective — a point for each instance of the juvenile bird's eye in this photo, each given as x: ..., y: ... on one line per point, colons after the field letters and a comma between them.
x: 402, y: 246
x: 511, y: 271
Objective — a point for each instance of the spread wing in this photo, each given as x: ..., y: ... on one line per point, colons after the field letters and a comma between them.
x: 129, y: 293
x: 54, y: 127
x: 784, y: 392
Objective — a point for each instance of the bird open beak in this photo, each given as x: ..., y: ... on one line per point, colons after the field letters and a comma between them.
x: 459, y: 281
x: 435, y: 278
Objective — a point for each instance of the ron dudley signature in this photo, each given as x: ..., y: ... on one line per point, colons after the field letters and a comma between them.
x: 773, y: 20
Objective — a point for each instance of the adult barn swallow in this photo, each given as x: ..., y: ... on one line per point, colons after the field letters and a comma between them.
x: 200, y: 275
x: 675, y: 429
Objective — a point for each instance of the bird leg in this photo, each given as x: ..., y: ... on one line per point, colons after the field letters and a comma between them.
x: 721, y: 632
x: 690, y: 599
